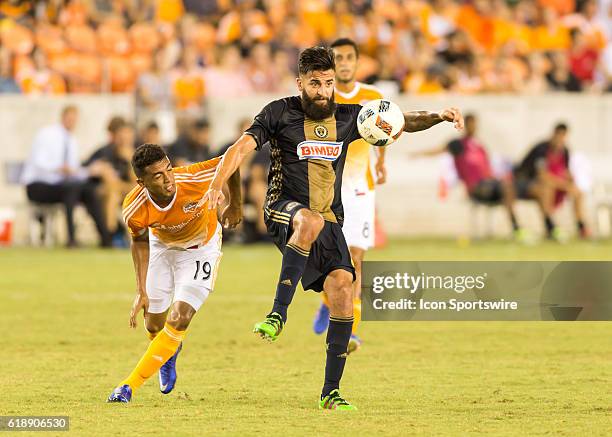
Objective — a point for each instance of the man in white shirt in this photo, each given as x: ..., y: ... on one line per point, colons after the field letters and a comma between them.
x: 53, y: 174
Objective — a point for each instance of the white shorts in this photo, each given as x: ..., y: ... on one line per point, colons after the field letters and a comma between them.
x: 358, y: 227
x: 186, y: 275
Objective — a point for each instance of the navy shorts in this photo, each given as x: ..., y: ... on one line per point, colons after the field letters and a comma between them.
x: 328, y: 253
x: 488, y: 191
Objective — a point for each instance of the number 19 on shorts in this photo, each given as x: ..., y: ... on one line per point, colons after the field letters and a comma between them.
x: 203, y: 270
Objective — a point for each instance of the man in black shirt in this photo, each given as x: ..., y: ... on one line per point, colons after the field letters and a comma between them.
x: 193, y: 146
x: 544, y: 175
x: 118, y: 152
x: 308, y: 136
x: 116, y: 177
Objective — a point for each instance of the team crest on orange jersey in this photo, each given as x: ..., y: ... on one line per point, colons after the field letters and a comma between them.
x: 190, y: 207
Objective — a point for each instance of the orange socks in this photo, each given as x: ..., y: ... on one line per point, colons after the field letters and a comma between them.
x: 161, y: 348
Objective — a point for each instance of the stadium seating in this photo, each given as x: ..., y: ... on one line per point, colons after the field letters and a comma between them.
x: 401, y: 42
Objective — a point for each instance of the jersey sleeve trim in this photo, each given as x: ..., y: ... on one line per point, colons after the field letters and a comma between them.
x: 130, y: 209
x: 199, y: 167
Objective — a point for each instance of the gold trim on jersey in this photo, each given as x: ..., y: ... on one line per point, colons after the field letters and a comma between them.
x: 277, y: 216
x: 321, y: 174
x: 284, y: 222
x: 275, y: 186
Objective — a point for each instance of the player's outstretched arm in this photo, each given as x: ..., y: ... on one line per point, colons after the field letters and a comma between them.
x: 232, y: 213
x: 140, y: 256
x: 415, y: 121
x: 231, y: 161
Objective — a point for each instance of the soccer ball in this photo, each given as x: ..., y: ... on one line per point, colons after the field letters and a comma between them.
x: 380, y: 122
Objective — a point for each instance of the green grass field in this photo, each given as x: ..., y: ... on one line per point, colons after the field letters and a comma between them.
x: 66, y: 344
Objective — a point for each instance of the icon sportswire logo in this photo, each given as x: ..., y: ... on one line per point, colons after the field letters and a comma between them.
x: 326, y: 150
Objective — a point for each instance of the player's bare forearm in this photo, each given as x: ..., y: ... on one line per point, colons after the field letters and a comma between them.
x: 232, y: 213
x: 232, y: 159
x: 234, y: 184
x: 415, y: 121
x: 379, y: 167
x: 229, y: 164
x: 140, y: 256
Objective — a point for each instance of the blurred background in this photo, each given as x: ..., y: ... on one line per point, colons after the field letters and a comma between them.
x: 97, y: 77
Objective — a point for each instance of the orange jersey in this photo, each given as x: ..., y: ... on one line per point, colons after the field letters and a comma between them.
x: 185, y: 222
x: 357, y: 165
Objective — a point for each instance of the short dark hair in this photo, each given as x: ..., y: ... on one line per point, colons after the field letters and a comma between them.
x: 152, y: 125
x: 560, y: 127
x: 346, y: 42
x: 145, y: 155
x: 115, y: 123
x: 469, y: 116
x: 201, y: 123
x: 69, y: 108
x: 316, y: 59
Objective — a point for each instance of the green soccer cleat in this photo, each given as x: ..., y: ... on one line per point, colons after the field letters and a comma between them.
x: 558, y: 235
x: 270, y: 328
x: 523, y: 236
x: 333, y: 401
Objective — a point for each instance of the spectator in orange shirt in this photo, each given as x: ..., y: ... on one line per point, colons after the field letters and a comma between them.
x: 476, y: 21
x: 188, y: 82
x: 16, y: 9
x: 41, y: 80
x: 169, y: 11
x: 550, y: 34
x: 561, y: 7
x: 74, y: 13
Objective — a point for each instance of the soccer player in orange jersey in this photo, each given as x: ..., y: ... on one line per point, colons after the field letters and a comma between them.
x: 357, y: 182
x: 176, y: 248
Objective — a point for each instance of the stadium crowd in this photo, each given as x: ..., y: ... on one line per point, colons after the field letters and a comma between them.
x: 175, y: 53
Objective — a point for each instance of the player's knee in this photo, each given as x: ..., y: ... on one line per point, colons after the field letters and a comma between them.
x: 179, y: 320
x: 154, y: 323
x: 309, y: 227
x: 153, y: 327
x: 343, y: 298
